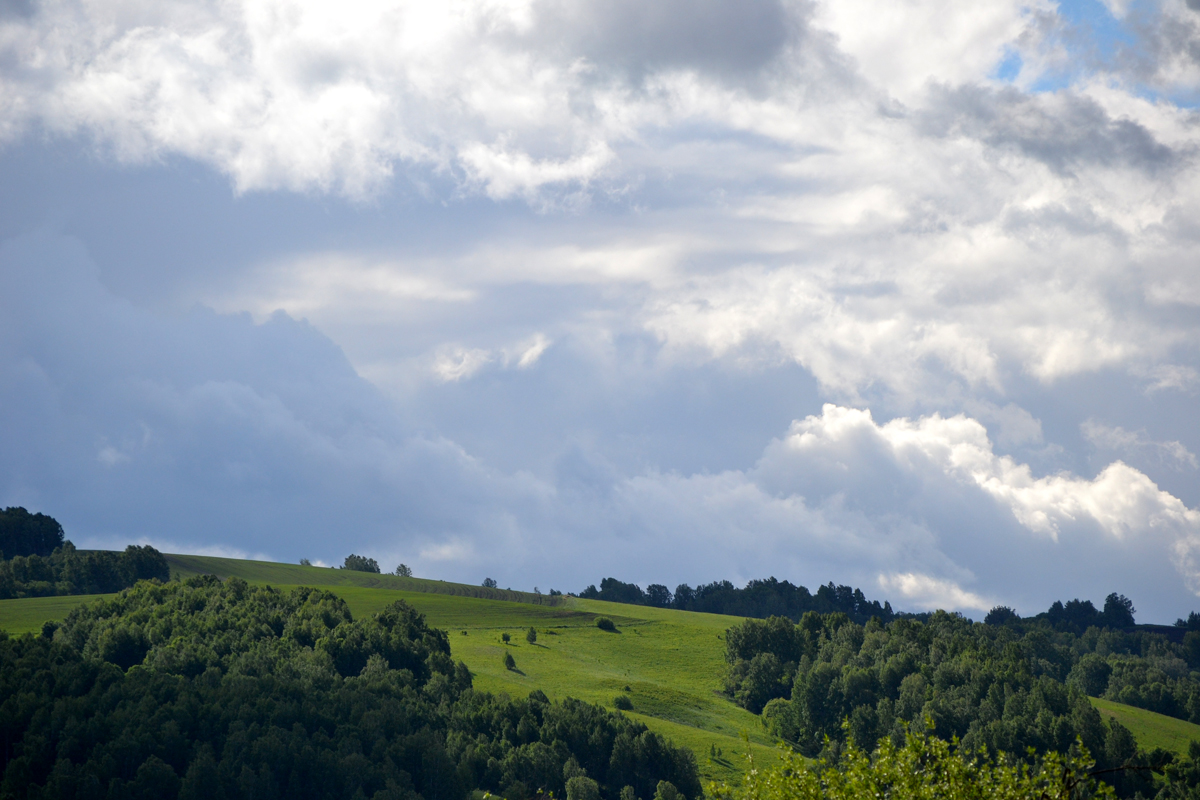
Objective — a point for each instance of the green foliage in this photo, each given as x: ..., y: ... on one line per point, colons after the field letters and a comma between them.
x: 304, y: 562
x: 1001, y: 615
x: 582, y: 788
x: 667, y: 791
x: 505, y: 637
x: 509, y: 661
x: 923, y: 768
x: 205, y: 688
x: 606, y: 624
x: 531, y: 636
x: 404, y: 571
x: 1004, y: 688
x: 68, y: 571
x: 623, y: 702
x: 25, y: 534
x: 361, y: 564
x: 489, y: 583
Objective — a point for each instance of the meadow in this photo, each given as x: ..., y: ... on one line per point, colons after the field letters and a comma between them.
x: 668, y: 663
x: 1150, y: 729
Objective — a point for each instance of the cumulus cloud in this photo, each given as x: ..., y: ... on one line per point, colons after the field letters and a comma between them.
x: 206, y: 431
x: 906, y: 204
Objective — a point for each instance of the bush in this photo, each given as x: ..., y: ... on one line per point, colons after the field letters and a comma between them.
x: 304, y: 562
x: 605, y: 624
x: 531, y: 637
x: 361, y: 564
x: 504, y: 637
x: 509, y: 661
x: 623, y: 702
x: 582, y: 788
x: 925, y: 767
x: 667, y: 791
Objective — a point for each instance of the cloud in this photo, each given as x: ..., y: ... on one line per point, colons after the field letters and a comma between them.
x: 924, y: 592
x: 260, y: 437
x: 1135, y: 443
x: 551, y: 288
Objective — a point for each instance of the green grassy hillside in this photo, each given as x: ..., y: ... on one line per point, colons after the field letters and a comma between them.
x: 1151, y: 730
x: 276, y: 574
x: 671, y: 661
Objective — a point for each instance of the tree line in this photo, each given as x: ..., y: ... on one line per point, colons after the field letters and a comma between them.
x: 759, y: 598
x: 211, y: 689
x: 1010, y: 689
x: 36, y: 560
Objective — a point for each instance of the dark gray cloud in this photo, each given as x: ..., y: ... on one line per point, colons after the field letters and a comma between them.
x: 1063, y: 131
x: 714, y: 37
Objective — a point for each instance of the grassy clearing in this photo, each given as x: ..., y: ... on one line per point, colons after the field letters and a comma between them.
x: 1150, y: 729
x: 27, y: 615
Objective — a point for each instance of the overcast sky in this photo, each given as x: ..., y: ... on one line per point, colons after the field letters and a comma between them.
x: 903, y: 294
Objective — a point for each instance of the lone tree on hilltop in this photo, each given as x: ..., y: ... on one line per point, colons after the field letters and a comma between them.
x: 404, y: 571
x: 1118, y: 611
x: 361, y: 564
x: 488, y: 583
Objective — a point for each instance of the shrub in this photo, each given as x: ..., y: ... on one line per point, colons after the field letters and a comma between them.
x: 605, y: 624
x: 623, y: 702
x: 531, y: 637
x: 925, y: 767
x: 304, y: 562
x: 667, y: 791
x: 509, y: 661
x: 504, y: 637
x: 581, y: 788
x: 361, y: 564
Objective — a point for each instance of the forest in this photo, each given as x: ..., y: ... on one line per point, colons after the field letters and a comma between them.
x: 211, y: 689
x: 1010, y: 688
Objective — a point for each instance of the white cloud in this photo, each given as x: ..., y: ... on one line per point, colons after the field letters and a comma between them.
x: 1135, y: 443
x: 634, y: 192
x: 926, y: 593
x: 455, y: 363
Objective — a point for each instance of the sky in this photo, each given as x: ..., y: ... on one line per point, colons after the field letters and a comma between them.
x: 900, y: 294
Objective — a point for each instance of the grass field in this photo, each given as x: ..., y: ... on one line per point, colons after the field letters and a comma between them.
x: 1151, y: 730
x: 671, y: 661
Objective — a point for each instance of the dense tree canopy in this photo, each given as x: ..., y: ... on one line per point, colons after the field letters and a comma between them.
x: 25, y: 534
x: 210, y: 689
x: 70, y: 571
x: 1007, y: 688
x: 361, y: 564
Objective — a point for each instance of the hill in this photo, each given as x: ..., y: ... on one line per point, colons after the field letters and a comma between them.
x: 671, y: 661
x: 1150, y: 729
